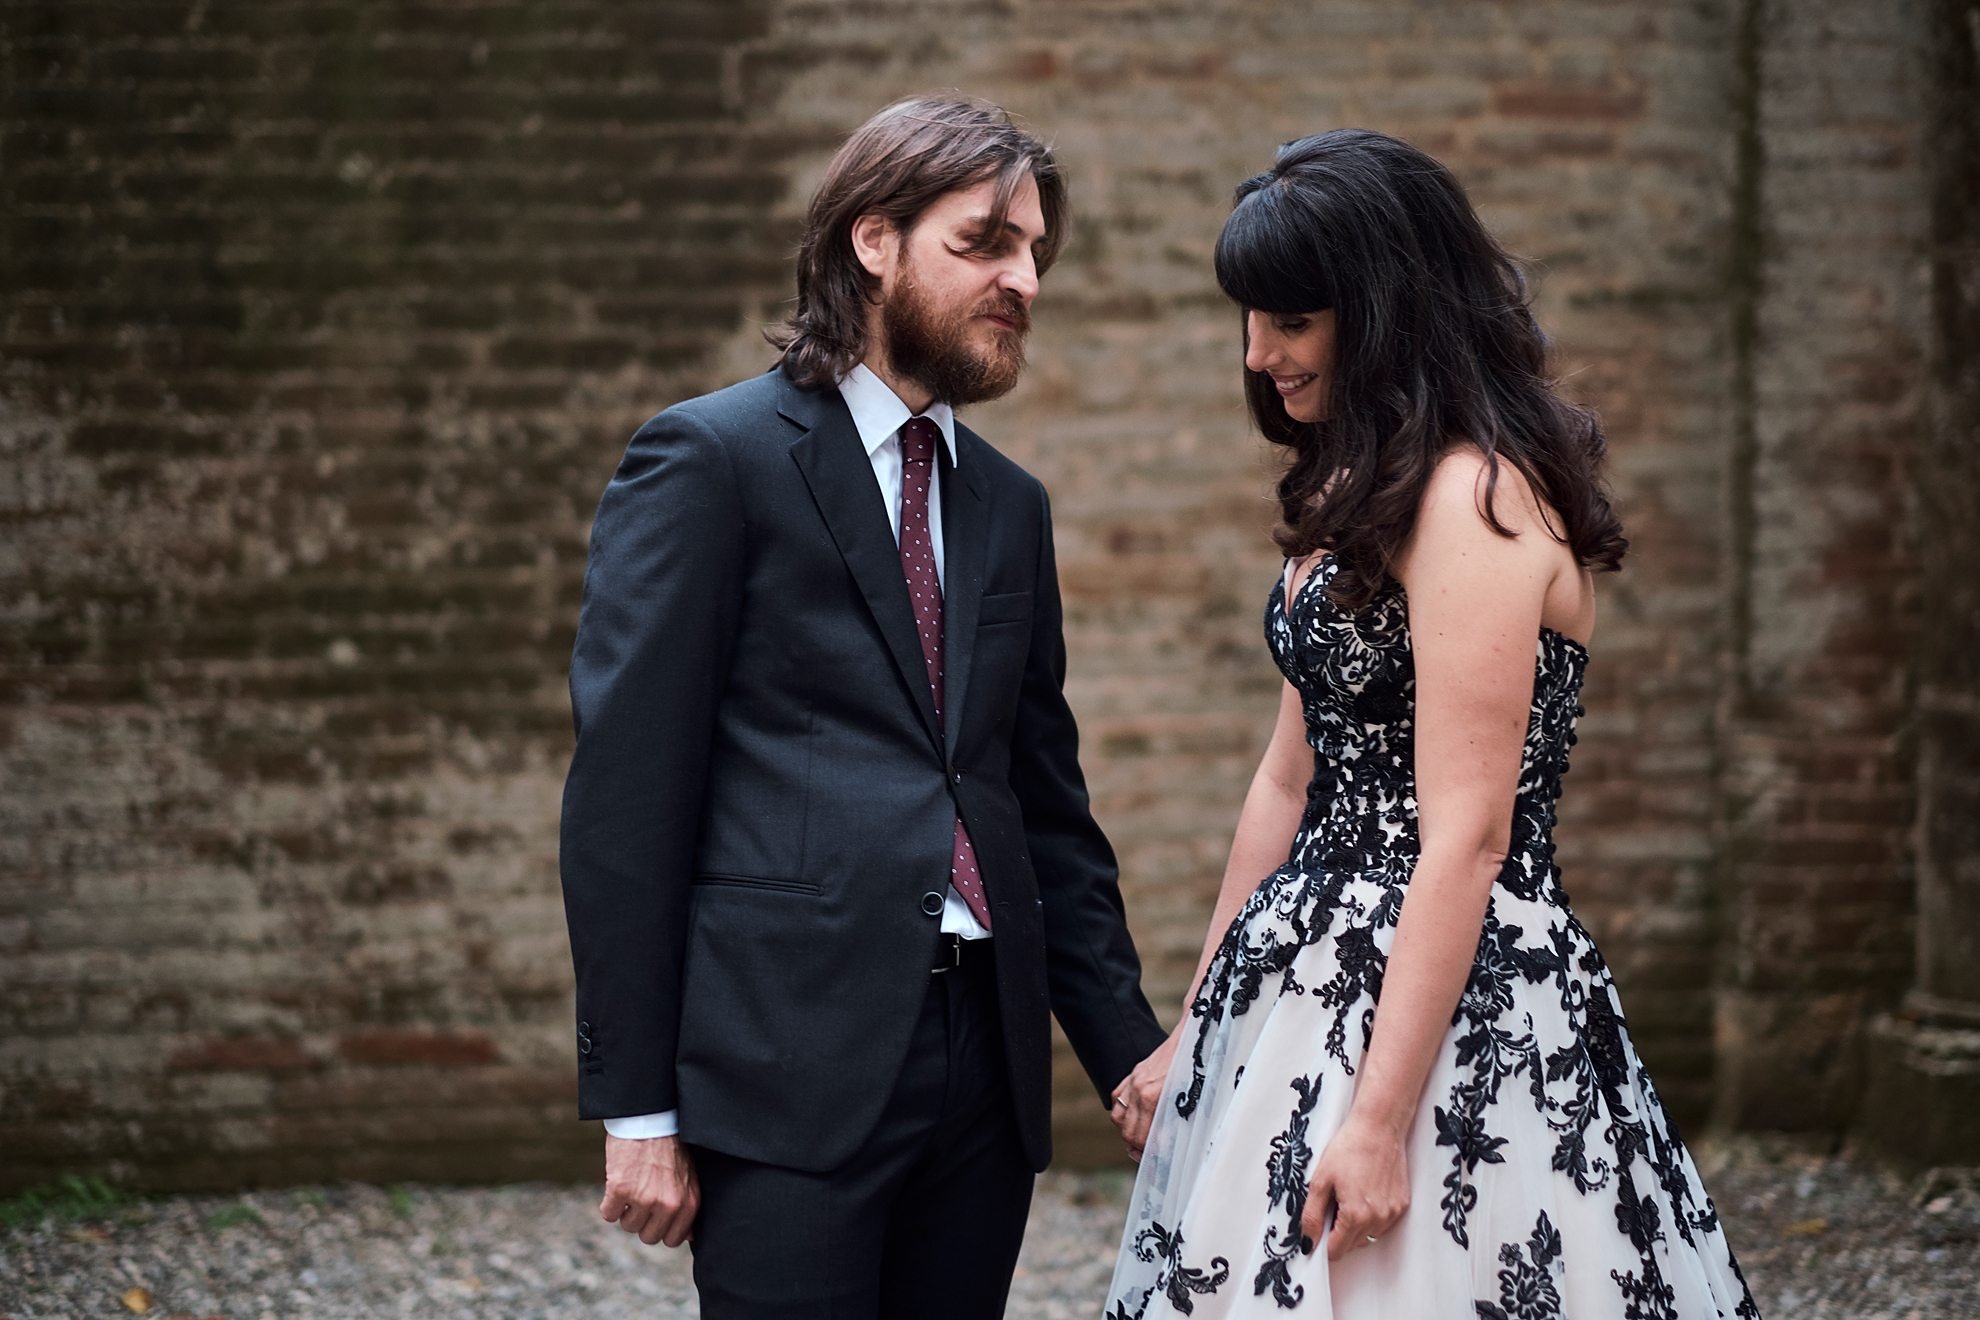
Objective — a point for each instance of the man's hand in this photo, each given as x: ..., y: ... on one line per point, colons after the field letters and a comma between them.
x: 650, y: 1189
x: 1140, y: 1092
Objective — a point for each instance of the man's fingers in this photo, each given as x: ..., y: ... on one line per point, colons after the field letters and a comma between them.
x: 671, y: 1223
x: 661, y: 1221
x: 611, y: 1207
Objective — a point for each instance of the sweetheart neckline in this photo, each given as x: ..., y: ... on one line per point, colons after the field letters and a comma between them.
x: 1287, y: 605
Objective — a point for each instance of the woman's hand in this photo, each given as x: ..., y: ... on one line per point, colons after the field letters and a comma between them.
x: 1363, y: 1178
x: 1140, y: 1092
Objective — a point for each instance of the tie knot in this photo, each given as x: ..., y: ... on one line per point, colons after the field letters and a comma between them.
x: 918, y: 440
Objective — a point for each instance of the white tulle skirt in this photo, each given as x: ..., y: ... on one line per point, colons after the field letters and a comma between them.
x: 1546, y: 1178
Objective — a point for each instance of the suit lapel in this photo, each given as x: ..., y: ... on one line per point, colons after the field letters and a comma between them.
x: 840, y: 475
x: 965, y: 537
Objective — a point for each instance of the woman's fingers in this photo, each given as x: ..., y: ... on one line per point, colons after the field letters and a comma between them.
x: 1319, y: 1203
x: 1361, y: 1224
x: 1350, y: 1231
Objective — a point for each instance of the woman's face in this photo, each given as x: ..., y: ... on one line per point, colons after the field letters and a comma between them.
x: 1296, y: 350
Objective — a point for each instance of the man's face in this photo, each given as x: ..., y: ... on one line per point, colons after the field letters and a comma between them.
x: 956, y: 302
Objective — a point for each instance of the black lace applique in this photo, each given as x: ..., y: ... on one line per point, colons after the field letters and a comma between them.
x: 1287, y: 1173
x: 1177, y: 1282
x: 1647, y: 1298
x: 1526, y: 1283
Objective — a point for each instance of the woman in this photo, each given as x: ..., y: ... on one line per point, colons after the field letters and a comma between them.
x: 1404, y: 1089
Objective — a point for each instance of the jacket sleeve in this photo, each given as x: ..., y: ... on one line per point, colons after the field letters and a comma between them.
x: 1092, y: 970
x: 654, y: 637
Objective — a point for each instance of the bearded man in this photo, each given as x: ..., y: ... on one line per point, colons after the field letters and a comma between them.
x: 827, y: 856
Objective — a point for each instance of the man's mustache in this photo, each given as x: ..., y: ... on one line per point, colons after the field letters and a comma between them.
x: 1010, y: 309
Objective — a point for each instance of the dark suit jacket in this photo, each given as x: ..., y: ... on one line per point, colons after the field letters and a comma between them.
x: 757, y: 824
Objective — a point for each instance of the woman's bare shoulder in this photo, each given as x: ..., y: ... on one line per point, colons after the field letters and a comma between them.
x: 1462, y: 482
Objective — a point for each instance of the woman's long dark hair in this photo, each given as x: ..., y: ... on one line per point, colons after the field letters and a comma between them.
x: 1434, y: 346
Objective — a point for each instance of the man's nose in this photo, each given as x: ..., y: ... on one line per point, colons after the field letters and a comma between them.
x: 1020, y: 277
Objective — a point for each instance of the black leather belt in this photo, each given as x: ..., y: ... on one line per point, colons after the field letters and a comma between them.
x: 953, y: 951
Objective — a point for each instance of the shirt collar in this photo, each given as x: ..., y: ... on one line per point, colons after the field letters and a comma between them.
x: 878, y: 412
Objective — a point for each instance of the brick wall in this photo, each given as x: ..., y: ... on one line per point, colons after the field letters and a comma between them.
x: 1820, y: 581
x: 1947, y: 481
x: 1923, y: 1058
x: 325, y: 323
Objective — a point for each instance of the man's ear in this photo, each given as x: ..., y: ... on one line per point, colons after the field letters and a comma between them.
x: 873, y: 240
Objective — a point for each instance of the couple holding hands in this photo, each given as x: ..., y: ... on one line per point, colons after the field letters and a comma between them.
x: 829, y: 866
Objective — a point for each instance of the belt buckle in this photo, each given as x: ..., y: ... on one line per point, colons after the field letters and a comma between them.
x: 955, y: 955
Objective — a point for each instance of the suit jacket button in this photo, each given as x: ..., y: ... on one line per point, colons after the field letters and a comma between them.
x: 958, y: 778
x: 931, y: 903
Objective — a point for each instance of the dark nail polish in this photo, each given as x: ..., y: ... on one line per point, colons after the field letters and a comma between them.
x: 1305, y: 1245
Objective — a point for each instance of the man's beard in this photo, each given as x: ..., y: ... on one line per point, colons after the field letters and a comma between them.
x: 930, y: 345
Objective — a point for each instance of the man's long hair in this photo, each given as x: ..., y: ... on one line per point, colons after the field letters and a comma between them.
x: 1434, y: 346
x: 897, y: 164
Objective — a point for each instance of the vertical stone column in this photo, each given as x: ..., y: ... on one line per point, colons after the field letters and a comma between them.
x: 1925, y: 1059
x: 1815, y: 775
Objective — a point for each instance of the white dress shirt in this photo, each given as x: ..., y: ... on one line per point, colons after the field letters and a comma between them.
x: 878, y: 414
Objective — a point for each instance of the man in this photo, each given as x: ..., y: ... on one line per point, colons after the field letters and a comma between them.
x: 827, y: 857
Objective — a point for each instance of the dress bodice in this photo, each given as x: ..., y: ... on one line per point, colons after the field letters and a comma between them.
x: 1356, y: 677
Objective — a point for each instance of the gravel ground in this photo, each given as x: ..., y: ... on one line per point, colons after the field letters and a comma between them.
x: 1820, y: 1239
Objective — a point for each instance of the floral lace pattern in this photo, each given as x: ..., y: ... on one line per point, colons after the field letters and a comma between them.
x: 1547, y: 1177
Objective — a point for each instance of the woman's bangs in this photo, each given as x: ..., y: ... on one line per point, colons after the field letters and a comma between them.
x: 1264, y: 260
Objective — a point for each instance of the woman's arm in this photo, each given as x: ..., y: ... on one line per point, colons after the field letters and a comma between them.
x: 1265, y: 830
x: 1266, y: 825
x: 1475, y: 602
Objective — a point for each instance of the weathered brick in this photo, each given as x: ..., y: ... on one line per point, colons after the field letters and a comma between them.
x: 240, y: 1054
x: 418, y: 1048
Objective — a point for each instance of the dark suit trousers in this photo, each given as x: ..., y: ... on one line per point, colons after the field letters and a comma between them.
x: 924, y: 1221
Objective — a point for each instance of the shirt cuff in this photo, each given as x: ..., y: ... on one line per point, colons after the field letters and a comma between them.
x: 645, y: 1127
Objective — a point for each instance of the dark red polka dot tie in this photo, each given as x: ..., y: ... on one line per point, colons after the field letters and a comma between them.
x: 918, y: 439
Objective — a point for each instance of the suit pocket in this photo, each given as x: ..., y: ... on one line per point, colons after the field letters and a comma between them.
x: 717, y: 880
x: 1004, y: 607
